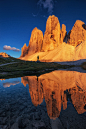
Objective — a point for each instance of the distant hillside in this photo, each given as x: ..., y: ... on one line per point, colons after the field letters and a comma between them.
x: 4, y: 60
x: 3, y: 54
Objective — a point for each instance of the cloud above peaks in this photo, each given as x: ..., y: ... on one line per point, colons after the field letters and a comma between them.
x: 47, y: 4
x: 11, y: 48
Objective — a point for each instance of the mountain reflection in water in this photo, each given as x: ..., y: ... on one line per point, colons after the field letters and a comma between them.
x: 57, y: 87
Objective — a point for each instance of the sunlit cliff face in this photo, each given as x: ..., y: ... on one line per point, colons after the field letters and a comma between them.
x: 56, y: 87
x: 56, y: 45
x: 3, y: 54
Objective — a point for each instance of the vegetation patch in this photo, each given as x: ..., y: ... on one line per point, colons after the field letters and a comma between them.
x: 21, y: 68
x: 9, y: 60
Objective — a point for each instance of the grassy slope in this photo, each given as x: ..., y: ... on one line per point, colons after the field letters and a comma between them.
x: 8, y: 60
x: 22, y: 68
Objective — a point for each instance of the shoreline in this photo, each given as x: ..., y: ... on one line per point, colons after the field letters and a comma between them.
x: 22, y: 68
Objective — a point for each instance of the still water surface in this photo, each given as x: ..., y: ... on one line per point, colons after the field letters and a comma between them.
x: 55, y: 100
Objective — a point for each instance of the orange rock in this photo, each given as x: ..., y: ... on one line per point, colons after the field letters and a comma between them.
x: 2, y: 79
x: 56, y: 44
x: 3, y: 54
x: 78, y: 97
x: 52, y: 96
x: 24, y: 80
x: 52, y: 34
x: 63, y: 34
x: 35, y: 43
x: 36, y: 40
x: 51, y: 86
x: 24, y: 50
x: 35, y: 89
x: 77, y: 34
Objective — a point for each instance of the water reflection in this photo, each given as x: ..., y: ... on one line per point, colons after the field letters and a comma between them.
x: 35, y: 89
x: 2, y: 79
x: 78, y: 97
x: 8, y: 84
x: 55, y: 100
x: 57, y: 87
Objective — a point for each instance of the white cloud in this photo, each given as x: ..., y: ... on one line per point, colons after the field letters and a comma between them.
x: 47, y: 4
x: 11, y: 48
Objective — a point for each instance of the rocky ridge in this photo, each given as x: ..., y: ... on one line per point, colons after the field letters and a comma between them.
x: 78, y: 33
x: 3, y: 54
x: 35, y: 43
x: 63, y: 34
x: 53, y: 37
x: 56, y: 43
x: 52, y: 34
x: 24, y: 50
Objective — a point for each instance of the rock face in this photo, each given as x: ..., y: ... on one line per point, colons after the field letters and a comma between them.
x: 64, y: 52
x: 56, y: 45
x: 52, y: 34
x: 63, y: 34
x: 24, y: 50
x: 80, y: 52
x: 36, y: 40
x: 3, y: 54
x: 35, y: 43
x: 77, y: 34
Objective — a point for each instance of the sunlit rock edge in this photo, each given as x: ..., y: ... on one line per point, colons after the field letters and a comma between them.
x: 56, y: 45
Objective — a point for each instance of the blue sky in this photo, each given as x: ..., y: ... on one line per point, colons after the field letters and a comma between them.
x: 19, y: 17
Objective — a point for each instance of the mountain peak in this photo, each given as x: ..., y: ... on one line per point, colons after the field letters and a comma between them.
x: 56, y: 45
x: 3, y: 54
x: 78, y: 33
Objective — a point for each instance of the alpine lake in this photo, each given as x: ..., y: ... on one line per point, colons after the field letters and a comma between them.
x: 55, y: 100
